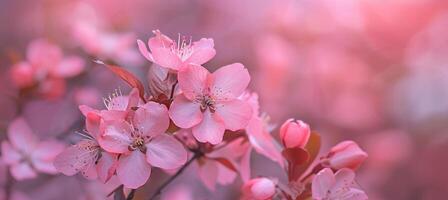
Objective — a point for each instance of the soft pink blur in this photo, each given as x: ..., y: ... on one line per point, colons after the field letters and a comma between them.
x: 372, y: 71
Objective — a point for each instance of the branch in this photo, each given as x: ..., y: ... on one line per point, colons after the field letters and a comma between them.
x: 172, y: 178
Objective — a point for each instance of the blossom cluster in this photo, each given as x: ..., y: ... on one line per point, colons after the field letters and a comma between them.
x: 188, y: 115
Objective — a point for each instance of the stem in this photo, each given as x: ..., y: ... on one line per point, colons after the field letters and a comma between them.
x: 8, y: 186
x: 172, y: 178
x: 115, y: 190
x: 131, y: 195
x: 172, y: 90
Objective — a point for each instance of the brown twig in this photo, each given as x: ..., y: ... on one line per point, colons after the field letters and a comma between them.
x: 172, y: 178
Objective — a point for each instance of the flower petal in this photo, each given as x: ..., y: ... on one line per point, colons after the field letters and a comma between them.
x: 230, y: 81
x: 116, y: 137
x: 85, y: 109
x: 166, y: 58
x: 244, y: 167
x: 21, y: 135
x: 185, y: 113
x: 93, y: 122
x: 106, y: 166
x: 9, y: 154
x: 44, y: 155
x: 211, y: 129
x: 322, y: 183
x: 225, y: 175
x: 144, y: 51
x: 90, y: 172
x: 203, y: 51
x: 152, y: 119
x: 23, y: 171
x: 355, y: 194
x: 77, y: 158
x: 263, y: 142
x: 208, y: 172
x: 193, y: 80
x: 235, y: 114
x: 68, y: 67
x: 133, y: 171
x: 159, y: 41
x: 344, y: 177
x: 166, y: 152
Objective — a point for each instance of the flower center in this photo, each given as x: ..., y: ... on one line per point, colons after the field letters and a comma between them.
x: 206, y: 101
x: 139, y: 141
x: 138, y: 144
x: 182, y: 48
x: 112, y: 102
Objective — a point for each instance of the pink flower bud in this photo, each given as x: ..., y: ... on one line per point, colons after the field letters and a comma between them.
x: 259, y: 189
x: 294, y: 133
x: 346, y: 154
x: 22, y: 75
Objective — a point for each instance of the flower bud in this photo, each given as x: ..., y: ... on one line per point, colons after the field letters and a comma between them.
x: 259, y: 189
x: 346, y: 154
x: 294, y: 133
x: 22, y: 75
x: 160, y: 80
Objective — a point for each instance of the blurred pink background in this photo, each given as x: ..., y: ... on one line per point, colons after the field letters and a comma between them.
x: 373, y: 71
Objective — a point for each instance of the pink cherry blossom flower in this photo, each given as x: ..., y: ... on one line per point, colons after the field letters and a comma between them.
x: 173, y: 55
x: 25, y: 154
x: 142, y: 143
x: 45, y: 60
x: 346, y: 154
x: 86, y: 156
x: 47, y: 68
x: 209, y: 103
x: 295, y: 133
x: 259, y: 189
x: 329, y: 186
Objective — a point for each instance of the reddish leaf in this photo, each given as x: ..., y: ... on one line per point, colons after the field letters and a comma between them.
x: 312, y: 147
x: 127, y: 76
x: 226, y: 163
x: 295, y: 157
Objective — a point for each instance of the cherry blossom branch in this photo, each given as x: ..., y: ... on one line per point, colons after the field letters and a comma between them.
x: 172, y: 178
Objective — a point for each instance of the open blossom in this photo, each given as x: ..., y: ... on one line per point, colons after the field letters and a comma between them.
x: 45, y: 64
x: 86, y: 156
x: 25, y: 154
x: 329, y: 186
x: 209, y: 103
x: 173, y: 55
x: 346, y: 154
x: 259, y: 189
x: 294, y: 133
x: 142, y: 143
